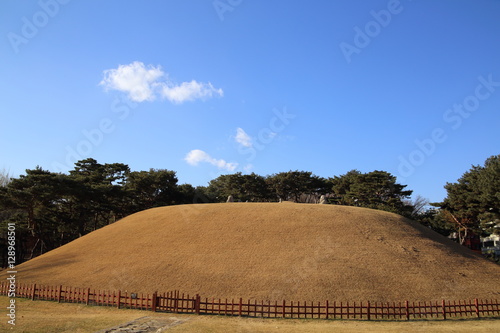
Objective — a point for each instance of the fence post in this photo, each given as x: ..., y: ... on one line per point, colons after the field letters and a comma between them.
x: 327, y: 308
x: 284, y: 311
x: 476, y: 304
x: 154, y: 301
x: 443, y: 305
x: 197, y: 304
x: 174, y: 301
x: 59, y: 294
x: 368, y: 310
x: 240, y: 307
x: 34, y: 292
x: 407, y: 310
x: 87, y: 297
x: 119, y: 298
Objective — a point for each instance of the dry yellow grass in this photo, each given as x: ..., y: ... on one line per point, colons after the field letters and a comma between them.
x: 43, y: 317
x: 51, y: 317
x: 270, y: 251
x: 204, y: 324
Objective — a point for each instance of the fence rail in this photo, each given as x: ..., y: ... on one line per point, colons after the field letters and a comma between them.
x: 176, y: 302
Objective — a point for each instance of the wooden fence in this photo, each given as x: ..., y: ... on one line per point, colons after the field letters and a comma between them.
x: 184, y: 303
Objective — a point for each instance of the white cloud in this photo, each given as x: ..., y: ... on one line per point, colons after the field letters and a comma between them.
x: 196, y: 156
x: 137, y: 80
x: 146, y: 83
x: 188, y: 91
x: 243, y: 138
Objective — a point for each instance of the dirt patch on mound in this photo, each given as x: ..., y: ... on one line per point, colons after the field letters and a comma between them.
x: 270, y: 251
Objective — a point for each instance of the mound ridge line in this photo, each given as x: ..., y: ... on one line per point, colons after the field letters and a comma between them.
x: 269, y: 251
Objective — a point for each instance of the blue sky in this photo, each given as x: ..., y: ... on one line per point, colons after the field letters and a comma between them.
x: 207, y: 87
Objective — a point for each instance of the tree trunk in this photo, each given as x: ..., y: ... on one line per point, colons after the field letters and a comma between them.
x: 34, y: 247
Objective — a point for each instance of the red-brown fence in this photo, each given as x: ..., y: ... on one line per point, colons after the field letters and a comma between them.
x: 184, y: 303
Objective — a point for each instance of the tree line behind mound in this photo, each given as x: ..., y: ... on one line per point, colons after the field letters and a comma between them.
x: 51, y: 209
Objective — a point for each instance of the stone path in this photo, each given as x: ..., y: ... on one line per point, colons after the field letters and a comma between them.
x: 145, y: 325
